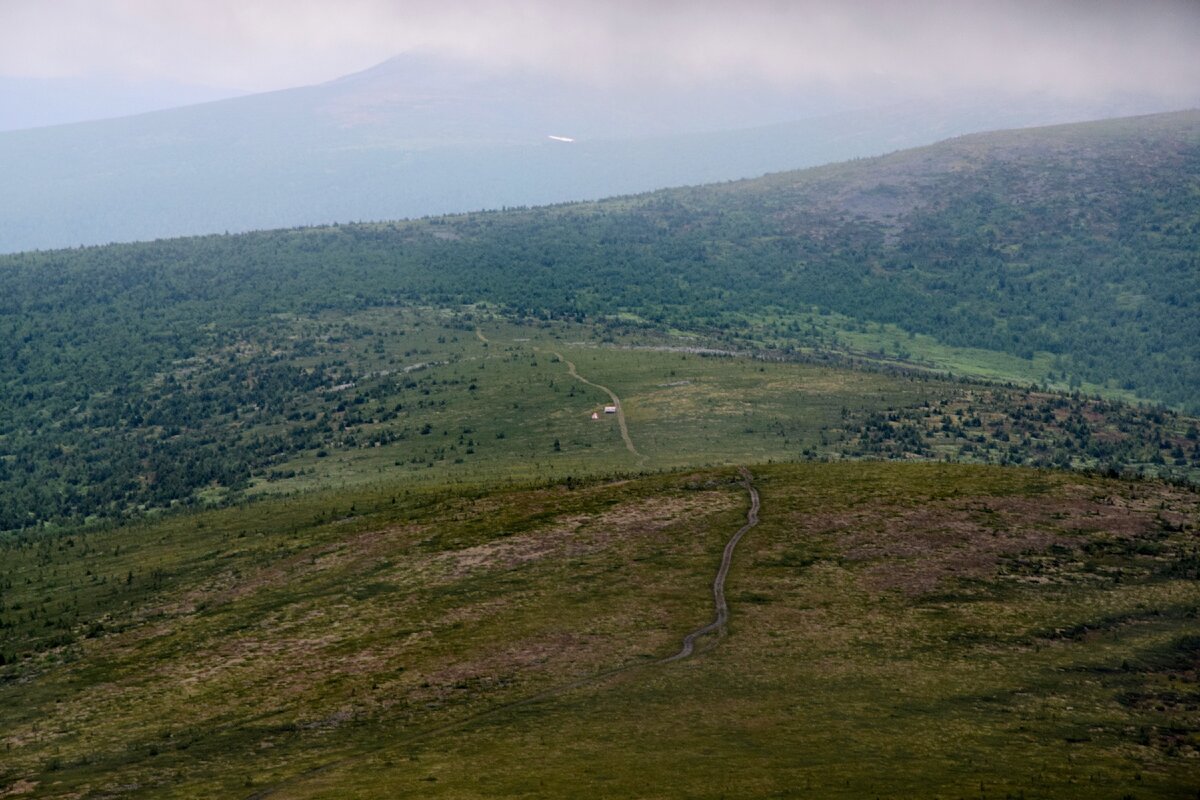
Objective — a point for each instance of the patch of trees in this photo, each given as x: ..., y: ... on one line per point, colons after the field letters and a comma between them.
x: 134, y: 374
x: 1012, y: 426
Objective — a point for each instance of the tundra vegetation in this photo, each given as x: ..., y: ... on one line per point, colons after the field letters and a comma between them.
x: 897, y: 629
x: 325, y: 513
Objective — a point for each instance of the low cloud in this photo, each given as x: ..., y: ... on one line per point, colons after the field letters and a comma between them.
x: 1069, y: 48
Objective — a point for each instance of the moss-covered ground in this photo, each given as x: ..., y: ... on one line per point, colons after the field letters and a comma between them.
x: 897, y: 630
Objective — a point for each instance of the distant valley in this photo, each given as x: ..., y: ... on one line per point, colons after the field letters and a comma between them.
x: 418, y: 136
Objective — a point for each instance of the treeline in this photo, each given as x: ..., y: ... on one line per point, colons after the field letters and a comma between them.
x: 1014, y: 426
x: 1086, y: 246
x: 1083, y: 242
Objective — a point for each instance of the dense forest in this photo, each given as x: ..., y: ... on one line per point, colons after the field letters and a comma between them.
x: 1079, y: 241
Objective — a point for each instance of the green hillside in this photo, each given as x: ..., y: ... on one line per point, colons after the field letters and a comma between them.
x: 141, y: 376
x: 1071, y: 248
x: 896, y: 630
x: 874, y: 480
x: 431, y: 396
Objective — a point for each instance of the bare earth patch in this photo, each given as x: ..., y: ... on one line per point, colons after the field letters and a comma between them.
x: 914, y: 550
x: 19, y: 788
x: 575, y: 536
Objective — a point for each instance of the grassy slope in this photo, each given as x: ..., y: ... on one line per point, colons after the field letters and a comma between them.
x: 683, y: 408
x: 135, y: 375
x: 416, y: 395
x: 897, y: 630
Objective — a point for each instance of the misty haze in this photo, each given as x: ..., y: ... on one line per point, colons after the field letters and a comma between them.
x: 531, y: 399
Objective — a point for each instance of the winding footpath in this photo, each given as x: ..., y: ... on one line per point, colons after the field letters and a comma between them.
x: 718, y: 589
x: 574, y: 373
x: 688, y: 649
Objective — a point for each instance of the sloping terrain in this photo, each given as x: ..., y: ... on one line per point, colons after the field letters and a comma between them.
x: 1071, y: 251
x: 135, y: 377
x: 419, y: 135
x: 895, y: 630
x: 341, y: 512
x: 425, y: 396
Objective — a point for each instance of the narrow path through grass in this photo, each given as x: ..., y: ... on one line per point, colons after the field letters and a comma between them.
x: 722, y: 607
x: 616, y: 402
x: 717, y: 626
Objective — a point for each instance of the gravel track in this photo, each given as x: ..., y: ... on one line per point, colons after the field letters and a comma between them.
x: 718, y: 625
x: 687, y: 650
x: 616, y: 402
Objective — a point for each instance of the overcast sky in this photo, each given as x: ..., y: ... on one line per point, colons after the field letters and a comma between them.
x: 1068, y: 47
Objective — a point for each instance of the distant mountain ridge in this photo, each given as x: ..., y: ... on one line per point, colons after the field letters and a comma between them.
x: 417, y: 136
x: 41, y: 102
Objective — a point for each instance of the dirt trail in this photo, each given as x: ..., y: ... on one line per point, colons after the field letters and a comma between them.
x: 718, y: 589
x: 616, y: 402
x: 688, y: 649
x: 621, y: 423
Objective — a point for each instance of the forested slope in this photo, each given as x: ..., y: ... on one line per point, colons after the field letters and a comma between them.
x: 1077, y: 245
x: 1079, y: 240
x: 422, y: 135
